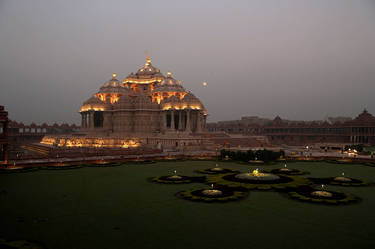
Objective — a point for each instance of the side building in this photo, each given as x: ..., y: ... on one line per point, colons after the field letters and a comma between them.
x: 360, y: 130
x: 4, y: 143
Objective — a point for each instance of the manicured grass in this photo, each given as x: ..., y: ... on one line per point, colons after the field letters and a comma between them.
x: 117, y: 207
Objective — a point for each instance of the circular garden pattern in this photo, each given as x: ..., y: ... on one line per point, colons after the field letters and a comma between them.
x: 312, y: 195
x: 177, y: 179
x: 233, y: 185
x: 287, y: 171
x: 340, y: 181
x: 282, y: 182
x: 216, y: 170
x: 223, y: 195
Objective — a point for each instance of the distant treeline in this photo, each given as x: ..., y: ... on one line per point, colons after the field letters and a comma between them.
x: 263, y: 155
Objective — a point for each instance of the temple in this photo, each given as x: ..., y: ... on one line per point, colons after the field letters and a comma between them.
x: 145, y: 105
x: 146, y: 102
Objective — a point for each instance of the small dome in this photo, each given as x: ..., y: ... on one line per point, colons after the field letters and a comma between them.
x: 147, y: 69
x: 192, y: 102
x: 169, y: 84
x: 95, y: 104
x: 112, y: 86
x: 92, y: 101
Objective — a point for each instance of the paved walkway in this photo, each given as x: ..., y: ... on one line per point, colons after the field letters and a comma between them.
x: 117, y: 157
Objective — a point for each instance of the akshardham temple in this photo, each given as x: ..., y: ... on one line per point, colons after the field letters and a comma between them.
x: 146, y: 104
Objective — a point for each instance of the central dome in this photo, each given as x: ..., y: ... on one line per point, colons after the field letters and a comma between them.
x: 145, y: 75
x: 148, y: 69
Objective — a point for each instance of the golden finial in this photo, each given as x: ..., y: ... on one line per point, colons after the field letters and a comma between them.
x: 114, y: 76
x: 169, y: 74
x: 148, y: 60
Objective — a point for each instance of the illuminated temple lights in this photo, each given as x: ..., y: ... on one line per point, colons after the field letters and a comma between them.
x: 176, y: 107
x: 144, y: 103
x: 91, y: 108
x: 141, y: 81
x: 91, y: 142
x: 112, y: 97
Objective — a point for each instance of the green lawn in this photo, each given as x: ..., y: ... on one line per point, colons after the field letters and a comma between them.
x: 117, y: 207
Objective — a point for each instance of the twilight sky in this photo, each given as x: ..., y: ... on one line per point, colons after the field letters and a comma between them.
x: 299, y: 59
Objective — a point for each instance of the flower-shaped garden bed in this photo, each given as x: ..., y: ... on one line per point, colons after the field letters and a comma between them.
x: 283, y: 182
x: 340, y: 181
x: 308, y: 194
x: 216, y: 170
x: 287, y: 171
x: 177, y: 179
x: 225, y: 195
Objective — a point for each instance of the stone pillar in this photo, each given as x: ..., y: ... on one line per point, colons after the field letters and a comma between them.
x: 91, y: 119
x: 83, y: 120
x: 180, y: 120
x: 187, y: 128
x: 165, y: 120
x: 87, y: 118
x: 172, y: 120
x: 199, y: 123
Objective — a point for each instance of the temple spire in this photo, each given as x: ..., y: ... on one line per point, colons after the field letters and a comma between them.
x: 148, y: 60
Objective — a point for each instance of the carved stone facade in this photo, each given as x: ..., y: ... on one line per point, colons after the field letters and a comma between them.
x: 146, y: 103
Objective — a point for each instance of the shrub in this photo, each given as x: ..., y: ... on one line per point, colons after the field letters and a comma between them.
x: 245, y: 156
